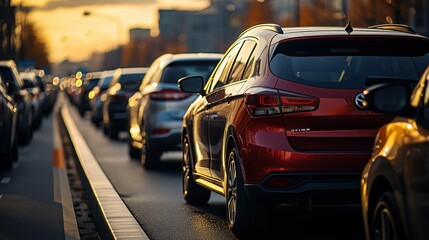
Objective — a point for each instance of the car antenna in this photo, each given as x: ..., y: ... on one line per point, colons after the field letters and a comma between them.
x: 349, y: 28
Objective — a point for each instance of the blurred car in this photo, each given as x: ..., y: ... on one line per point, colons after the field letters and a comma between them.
x: 41, y: 84
x: 22, y: 97
x: 395, y: 182
x: 85, y: 93
x: 281, y: 119
x: 52, y: 87
x: 8, y: 125
x: 156, y: 110
x: 124, y: 84
x: 37, y: 97
x: 100, y: 96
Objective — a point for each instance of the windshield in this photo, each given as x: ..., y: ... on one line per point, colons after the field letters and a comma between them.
x: 344, y: 63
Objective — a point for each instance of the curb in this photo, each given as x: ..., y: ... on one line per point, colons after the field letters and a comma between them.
x: 112, y: 217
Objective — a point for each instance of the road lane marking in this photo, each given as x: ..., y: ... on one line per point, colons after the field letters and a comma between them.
x: 5, y: 180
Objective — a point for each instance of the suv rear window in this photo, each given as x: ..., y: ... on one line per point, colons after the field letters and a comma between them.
x: 349, y: 62
x: 179, y: 69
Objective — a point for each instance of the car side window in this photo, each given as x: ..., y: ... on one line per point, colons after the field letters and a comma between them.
x: 221, y: 74
x: 149, y: 75
x: 242, y: 63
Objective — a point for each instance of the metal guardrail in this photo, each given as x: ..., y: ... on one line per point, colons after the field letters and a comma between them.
x: 113, y: 218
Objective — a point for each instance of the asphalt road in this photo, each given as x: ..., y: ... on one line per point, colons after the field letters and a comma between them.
x: 28, y: 209
x: 154, y: 197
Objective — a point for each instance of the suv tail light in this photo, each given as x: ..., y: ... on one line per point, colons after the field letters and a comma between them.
x: 169, y: 95
x: 270, y: 102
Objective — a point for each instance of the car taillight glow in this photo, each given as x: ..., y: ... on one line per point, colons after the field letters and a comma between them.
x: 269, y: 104
x: 160, y: 131
x: 169, y: 95
x: 298, y: 104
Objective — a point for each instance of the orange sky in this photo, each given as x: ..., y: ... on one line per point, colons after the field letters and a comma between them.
x: 71, y: 35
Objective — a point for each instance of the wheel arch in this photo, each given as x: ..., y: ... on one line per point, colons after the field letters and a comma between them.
x: 386, y: 179
x: 230, y: 142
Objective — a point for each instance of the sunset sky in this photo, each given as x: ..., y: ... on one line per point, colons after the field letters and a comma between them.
x: 71, y: 35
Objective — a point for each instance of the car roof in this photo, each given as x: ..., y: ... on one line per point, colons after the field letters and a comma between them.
x: 278, y: 33
x: 338, y: 31
x: 131, y: 70
x: 169, y: 58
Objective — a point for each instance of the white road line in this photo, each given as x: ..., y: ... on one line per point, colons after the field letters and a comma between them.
x: 5, y: 180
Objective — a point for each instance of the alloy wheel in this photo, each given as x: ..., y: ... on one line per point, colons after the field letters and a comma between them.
x: 185, y: 168
x: 232, y: 190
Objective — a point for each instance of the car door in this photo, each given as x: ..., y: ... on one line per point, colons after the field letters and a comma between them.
x: 416, y: 166
x: 225, y: 106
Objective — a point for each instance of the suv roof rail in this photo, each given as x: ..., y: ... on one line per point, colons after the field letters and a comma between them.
x: 394, y: 27
x: 267, y: 26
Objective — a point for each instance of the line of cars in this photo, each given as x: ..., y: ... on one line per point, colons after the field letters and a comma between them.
x: 282, y: 118
x: 26, y: 98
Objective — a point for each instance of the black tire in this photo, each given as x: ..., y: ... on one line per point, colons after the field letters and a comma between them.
x: 15, y: 150
x: 37, y: 123
x: 192, y: 192
x: 112, y: 131
x: 26, y: 135
x: 150, y: 157
x: 245, y: 218
x: 132, y: 151
x: 6, y: 160
x: 386, y: 222
x: 81, y: 111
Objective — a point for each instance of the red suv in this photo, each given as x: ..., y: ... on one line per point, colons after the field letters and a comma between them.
x: 281, y: 119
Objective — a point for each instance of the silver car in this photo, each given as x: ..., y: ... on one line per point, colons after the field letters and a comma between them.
x: 156, y: 111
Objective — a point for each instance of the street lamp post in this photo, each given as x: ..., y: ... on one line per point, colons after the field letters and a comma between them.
x: 109, y: 17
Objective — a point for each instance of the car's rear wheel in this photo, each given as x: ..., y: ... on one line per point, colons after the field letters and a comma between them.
x: 6, y: 160
x: 112, y: 131
x: 385, y: 222
x: 15, y: 150
x: 132, y: 151
x: 192, y: 192
x: 245, y: 217
x: 149, y: 157
x: 26, y: 135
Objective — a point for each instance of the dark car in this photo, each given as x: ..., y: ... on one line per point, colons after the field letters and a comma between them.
x: 22, y: 97
x: 8, y: 124
x: 156, y: 110
x: 38, y: 97
x: 281, y: 119
x: 125, y: 83
x: 395, y: 182
x: 85, y: 92
x: 99, y: 93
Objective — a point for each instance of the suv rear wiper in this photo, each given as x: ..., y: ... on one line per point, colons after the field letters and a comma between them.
x: 372, y: 80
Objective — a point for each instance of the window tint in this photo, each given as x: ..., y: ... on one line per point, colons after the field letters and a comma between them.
x: 241, y: 61
x: 348, y: 63
x: 220, y: 77
x: 91, y: 83
x: 177, y: 70
x: 105, y: 82
x: 153, y: 69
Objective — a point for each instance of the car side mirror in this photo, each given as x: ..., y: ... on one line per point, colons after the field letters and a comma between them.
x: 390, y: 98
x: 191, y: 84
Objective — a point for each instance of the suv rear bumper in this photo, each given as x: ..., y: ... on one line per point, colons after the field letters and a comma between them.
x: 320, y: 188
